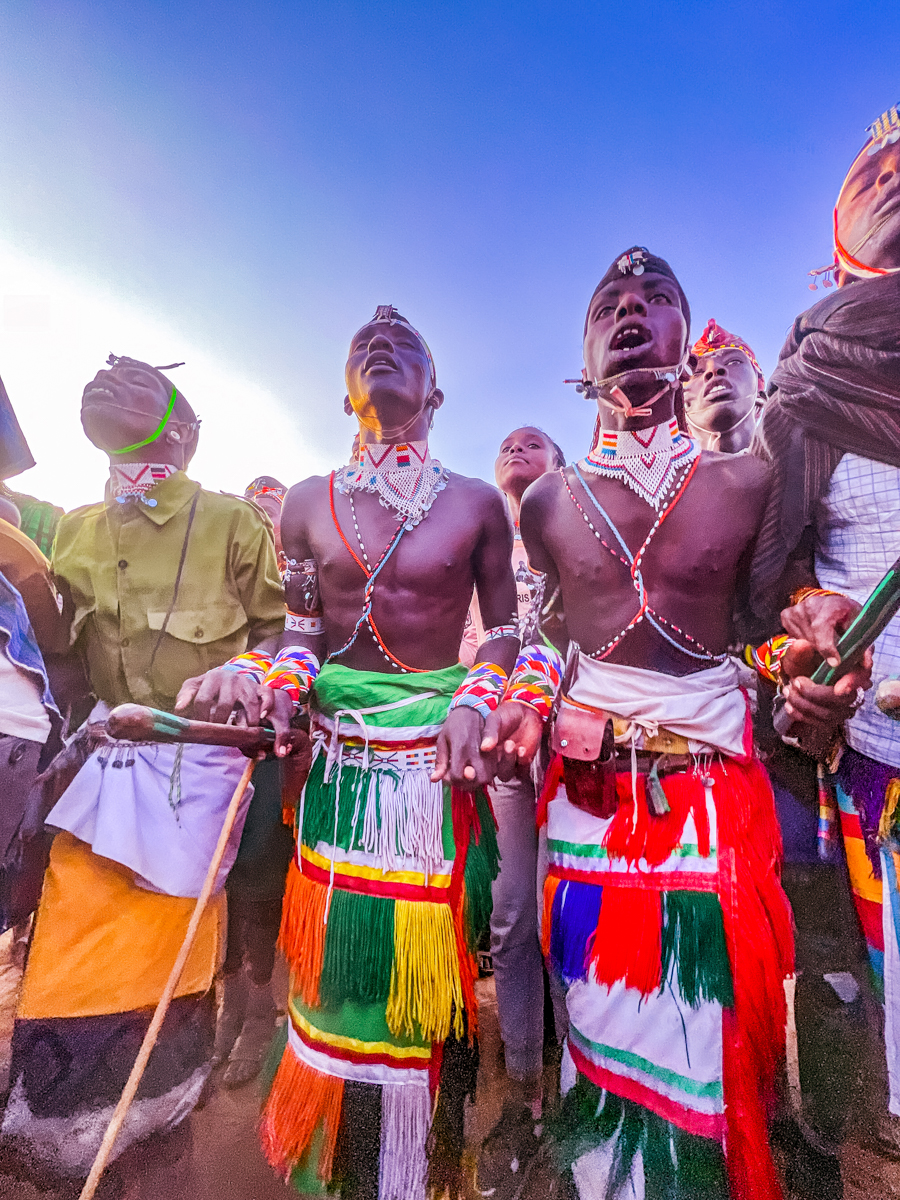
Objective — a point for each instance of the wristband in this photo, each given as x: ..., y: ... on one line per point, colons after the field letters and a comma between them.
x: 294, y: 671
x: 536, y: 678
x: 482, y: 689
x: 253, y: 663
x: 296, y: 623
x: 766, y: 659
x: 804, y: 593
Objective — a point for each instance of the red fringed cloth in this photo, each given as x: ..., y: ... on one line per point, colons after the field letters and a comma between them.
x: 676, y: 989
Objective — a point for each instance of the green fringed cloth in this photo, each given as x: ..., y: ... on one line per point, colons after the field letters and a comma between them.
x: 387, y: 896
x: 673, y: 937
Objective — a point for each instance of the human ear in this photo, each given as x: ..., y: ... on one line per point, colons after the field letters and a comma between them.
x: 436, y: 399
x: 348, y: 407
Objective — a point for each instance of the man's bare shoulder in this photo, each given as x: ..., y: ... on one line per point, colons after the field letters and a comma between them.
x: 543, y: 492
x: 475, y: 492
x: 741, y: 470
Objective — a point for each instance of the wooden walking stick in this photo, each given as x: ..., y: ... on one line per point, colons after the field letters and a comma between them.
x: 165, y: 999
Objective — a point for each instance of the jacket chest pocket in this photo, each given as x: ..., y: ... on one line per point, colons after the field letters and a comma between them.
x: 194, y: 641
x: 202, y: 625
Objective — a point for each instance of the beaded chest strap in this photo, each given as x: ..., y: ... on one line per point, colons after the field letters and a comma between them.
x: 405, y: 477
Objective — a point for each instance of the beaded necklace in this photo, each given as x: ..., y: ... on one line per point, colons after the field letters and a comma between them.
x: 633, y: 562
x: 133, y: 480
x: 405, y: 477
x: 371, y: 573
x: 647, y: 460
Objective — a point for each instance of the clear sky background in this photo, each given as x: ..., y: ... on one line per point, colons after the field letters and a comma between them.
x: 240, y: 184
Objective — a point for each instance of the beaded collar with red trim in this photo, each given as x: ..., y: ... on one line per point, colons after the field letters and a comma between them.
x: 404, y: 476
x: 649, y: 461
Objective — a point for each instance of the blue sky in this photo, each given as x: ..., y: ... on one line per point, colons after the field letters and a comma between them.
x: 250, y: 179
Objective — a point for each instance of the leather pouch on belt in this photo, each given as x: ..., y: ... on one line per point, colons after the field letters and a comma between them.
x: 587, y: 745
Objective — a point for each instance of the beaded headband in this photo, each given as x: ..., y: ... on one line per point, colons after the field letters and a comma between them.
x: 714, y: 338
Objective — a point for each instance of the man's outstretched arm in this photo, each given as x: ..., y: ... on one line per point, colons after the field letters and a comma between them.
x: 459, y: 756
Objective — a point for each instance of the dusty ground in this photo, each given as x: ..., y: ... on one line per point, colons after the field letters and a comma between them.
x: 226, y: 1163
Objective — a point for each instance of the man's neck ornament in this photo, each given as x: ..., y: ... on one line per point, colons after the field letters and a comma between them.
x: 405, y: 477
x: 132, y: 481
x: 649, y: 461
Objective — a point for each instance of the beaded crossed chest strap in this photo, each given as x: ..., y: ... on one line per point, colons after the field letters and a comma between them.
x: 681, y: 640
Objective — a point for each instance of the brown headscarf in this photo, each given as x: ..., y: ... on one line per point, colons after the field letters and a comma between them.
x: 836, y: 390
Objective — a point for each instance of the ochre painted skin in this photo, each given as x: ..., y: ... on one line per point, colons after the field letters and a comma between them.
x: 697, y: 558
x: 868, y: 209
x: 719, y: 397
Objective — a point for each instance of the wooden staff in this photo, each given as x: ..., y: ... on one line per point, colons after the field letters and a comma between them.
x: 137, y: 723
x: 165, y: 999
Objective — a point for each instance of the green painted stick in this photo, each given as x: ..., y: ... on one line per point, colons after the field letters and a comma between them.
x: 165, y: 999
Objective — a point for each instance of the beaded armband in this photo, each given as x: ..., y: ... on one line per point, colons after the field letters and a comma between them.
x: 482, y: 689
x: 294, y: 671
x: 253, y: 663
x: 804, y: 593
x: 766, y: 659
x: 501, y: 631
x: 536, y: 678
x: 299, y: 623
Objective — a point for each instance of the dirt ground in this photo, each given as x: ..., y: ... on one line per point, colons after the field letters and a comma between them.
x: 225, y: 1162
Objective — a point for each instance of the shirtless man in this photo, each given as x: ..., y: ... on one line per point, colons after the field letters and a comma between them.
x: 675, y: 980
x: 390, y: 886
x: 726, y: 390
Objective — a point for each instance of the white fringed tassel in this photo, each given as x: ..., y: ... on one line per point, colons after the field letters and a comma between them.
x: 403, y: 820
x: 405, y: 1121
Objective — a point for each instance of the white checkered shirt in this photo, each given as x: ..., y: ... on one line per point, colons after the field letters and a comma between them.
x: 857, y: 540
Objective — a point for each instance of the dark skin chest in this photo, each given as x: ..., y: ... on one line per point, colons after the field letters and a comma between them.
x: 691, y: 567
x: 422, y: 593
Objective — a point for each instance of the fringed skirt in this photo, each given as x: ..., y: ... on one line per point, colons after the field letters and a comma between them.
x: 673, y: 937
x: 387, y: 896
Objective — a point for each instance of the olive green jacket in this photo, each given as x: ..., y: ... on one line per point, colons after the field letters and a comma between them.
x: 118, y: 563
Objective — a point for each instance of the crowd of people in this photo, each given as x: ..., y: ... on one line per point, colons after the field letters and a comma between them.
x: 575, y: 717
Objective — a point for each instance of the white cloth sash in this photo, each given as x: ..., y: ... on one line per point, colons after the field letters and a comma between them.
x: 708, y: 707
x: 124, y: 812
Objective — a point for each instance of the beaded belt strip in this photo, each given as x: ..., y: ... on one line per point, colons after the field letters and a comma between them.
x: 413, y: 758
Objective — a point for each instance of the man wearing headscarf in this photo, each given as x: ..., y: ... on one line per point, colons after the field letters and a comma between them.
x: 831, y: 529
x: 725, y: 392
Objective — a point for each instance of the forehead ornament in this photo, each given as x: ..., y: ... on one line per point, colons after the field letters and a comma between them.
x: 884, y: 130
x: 633, y: 262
